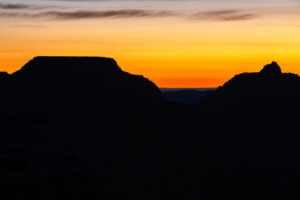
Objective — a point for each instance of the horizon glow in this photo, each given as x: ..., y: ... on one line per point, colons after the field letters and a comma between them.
x: 174, y: 43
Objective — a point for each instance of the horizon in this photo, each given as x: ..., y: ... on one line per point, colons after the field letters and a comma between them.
x: 175, y: 89
x: 174, y: 43
x: 163, y: 89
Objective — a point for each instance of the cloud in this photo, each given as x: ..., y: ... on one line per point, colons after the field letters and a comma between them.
x: 13, y: 14
x: 216, y: 15
x: 125, y: 13
x: 224, y: 15
x: 14, y: 6
x: 20, y: 6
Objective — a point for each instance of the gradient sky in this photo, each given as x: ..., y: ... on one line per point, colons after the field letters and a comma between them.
x: 175, y: 43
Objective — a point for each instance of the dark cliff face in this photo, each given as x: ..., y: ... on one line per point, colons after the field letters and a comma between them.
x: 254, y: 121
x: 79, y: 77
x: 87, y: 140
x: 72, y: 122
x: 268, y: 86
x: 257, y: 104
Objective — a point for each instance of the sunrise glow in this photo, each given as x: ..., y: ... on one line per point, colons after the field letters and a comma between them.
x: 173, y: 43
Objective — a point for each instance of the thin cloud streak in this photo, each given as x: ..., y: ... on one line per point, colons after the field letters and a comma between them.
x: 14, y: 6
x: 216, y: 15
x: 224, y: 15
x: 127, y: 13
x: 20, y: 7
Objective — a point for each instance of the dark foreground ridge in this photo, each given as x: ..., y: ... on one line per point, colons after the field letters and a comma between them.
x: 269, y: 87
x: 96, y: 77
x: 81, y: 128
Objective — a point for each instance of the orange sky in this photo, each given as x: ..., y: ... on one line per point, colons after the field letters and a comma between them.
x: 172, y: 51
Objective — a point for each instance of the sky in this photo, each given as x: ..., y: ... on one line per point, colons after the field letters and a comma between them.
x: 174, y: 43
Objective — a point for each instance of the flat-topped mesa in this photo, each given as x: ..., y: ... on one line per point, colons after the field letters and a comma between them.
x: 81, y: 77
x: 271, y: 69
x: 56, y: 63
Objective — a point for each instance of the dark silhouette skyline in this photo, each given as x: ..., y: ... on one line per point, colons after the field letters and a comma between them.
x: 81, y: 128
